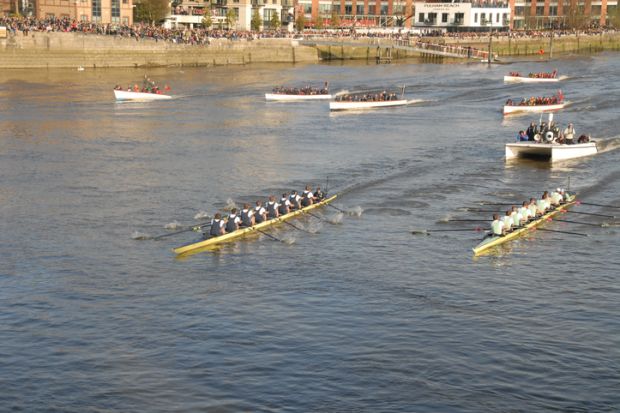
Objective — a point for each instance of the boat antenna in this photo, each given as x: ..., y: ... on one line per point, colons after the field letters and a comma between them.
x: 568, y: 188
x: 402, y: 96
x: 326, y: 184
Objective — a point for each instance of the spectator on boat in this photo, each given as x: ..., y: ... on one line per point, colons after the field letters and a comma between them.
x: 295, y: 200
x: 307, y: 198
x: 569, y: 134
x: 217, y: 226
x: 553, y: 128
x: 260, y: 213
x: 508, y: 102
x: 234, y: 220
x: 285, y: 204
x: 583, y: 139
x: 532, y: 130
x: 522, y: 136
x: 497, y: 226
x: 272, y: 207
x: 247, y: 216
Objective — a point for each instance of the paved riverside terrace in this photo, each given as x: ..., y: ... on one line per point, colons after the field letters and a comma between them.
x: 409, y: 45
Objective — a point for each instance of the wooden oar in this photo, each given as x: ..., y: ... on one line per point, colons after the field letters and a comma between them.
x: 598, y: 205
x: 268, y: 235
x: 316, y: 216
x: 295, y: 226
x: 194, y: 228
x: 562, y: 232
x: 428, y: 231
x: 588, y: 213
x: 336, y: 208
x: 466, y: 220
x: 579, y: 222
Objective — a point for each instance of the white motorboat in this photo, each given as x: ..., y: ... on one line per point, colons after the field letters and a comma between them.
x: 126, y: 95
x: 359, y: 105
x: 512, y: 109
x: 550, y: 151
x: 527, y: 79
x: 284, y: 97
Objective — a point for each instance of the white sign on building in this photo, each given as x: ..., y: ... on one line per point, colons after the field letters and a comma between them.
x: 460, y: 16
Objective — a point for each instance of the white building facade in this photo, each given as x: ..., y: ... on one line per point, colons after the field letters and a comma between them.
x: 461, y: 16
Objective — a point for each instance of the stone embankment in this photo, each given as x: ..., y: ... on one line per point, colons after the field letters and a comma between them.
x: 61, y: 50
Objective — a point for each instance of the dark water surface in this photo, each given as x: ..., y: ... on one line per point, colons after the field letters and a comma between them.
x: 360, y: 316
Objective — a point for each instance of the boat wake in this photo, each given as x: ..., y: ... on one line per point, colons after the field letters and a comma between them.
x: 137, y: 235
x: 336, y: 218
x: 201, y: 215
x: 172, y: 225
x: 606, y: 145
x: 356, y: 211
x: 288, y: 239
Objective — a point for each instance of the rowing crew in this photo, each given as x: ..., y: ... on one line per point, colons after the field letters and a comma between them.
x: 519, y: 216
x: 250, y: 216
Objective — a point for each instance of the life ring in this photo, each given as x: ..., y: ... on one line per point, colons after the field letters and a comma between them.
x: 549, y: 136
x: 537, y: 137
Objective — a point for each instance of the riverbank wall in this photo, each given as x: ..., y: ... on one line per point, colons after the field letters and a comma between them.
x: 62, y: 50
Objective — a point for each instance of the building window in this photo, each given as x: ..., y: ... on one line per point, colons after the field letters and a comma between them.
x: 444, y: 17
x: 126, y: 21
x: 359, y: 9
x: 540, y: 10
x: 497, y: 18
x: 96, y: 10
x: 308, y: 8
x: 432, y: 17
x: 596, y: 10
x: 116, y: 11
x: 475, y: 17
x: 519, y: 10
x: 421, y: 17
x: 553, y: 10
x: 372, y: 9
x: 459, y: 18
x: 384, y: 9
x: 348, y: 9
x: 49, y: 15
x: 84, y: 18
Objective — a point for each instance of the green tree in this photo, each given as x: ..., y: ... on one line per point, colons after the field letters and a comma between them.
x: 207, y: 21
x: 318, y: 23
x: 300, y: 22
x: 335, y: 21
x: 256, y: 21
x: 275, y: 21
x: 231, y: 18
x: 151, y: 11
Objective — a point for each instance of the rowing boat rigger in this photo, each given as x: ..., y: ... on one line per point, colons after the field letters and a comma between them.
x: 495, y: 240
x: 231, y: 236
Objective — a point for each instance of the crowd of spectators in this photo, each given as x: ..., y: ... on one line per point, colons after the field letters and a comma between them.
x: 200, y: 36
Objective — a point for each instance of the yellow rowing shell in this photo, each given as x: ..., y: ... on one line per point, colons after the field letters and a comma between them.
x: 494, y: 241
x: 231, y: 236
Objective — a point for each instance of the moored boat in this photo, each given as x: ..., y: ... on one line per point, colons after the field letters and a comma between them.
x: 126, y: 95
x: 550, y: 151
x: 525, y: 79
x: 241, y: 232
x: 495, y: 240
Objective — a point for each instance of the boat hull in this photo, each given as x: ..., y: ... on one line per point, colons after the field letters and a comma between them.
x: 521, y: 79
x: 281, y: 97
x: 231, y: 236
x: 549, y: 151
x: 366, y: 105
x: 512, y: 109
x: 125, y: 95
x: 494, y: 241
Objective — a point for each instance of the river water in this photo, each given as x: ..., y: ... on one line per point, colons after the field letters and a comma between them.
x: 359, y: 314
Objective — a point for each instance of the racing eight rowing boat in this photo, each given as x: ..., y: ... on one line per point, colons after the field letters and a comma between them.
x: 231, y: 236
x: 495, y: 240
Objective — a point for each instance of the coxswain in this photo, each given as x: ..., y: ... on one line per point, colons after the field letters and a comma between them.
x: 307, y: 198
x: 217, y: 226
x: 295, y: 200
x: 507, y: 220
x: 247, y: 216
x: 285, y: 204
x: 569, y: 134
x: 260, y: 213
x: 272, y: 207
x: 234, y: 220
x: 497, y: 226
x: 318, y: 194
